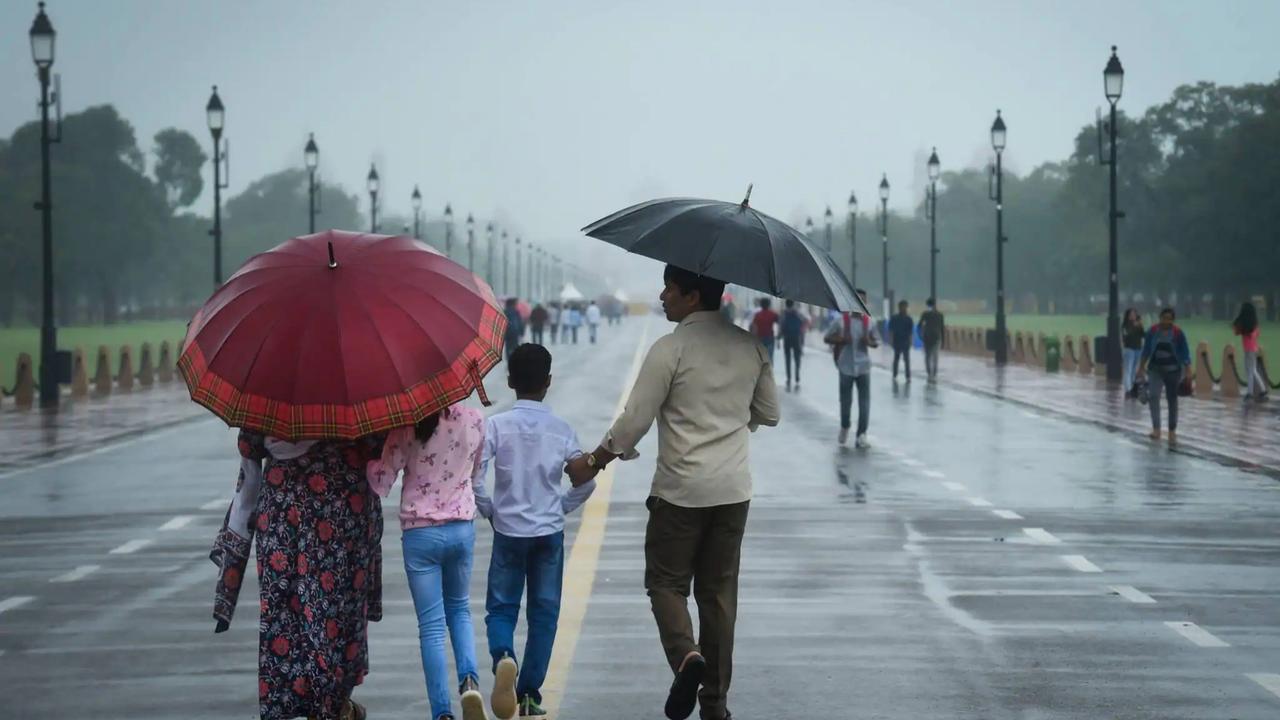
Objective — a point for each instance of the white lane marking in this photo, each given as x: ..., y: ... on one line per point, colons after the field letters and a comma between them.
x: 16, y: 601
x: 178, y: 522
x: 911, y: 461
x: 979, y: 502
x: 130, y: 547
x: 1031, y: 415
x: 1007, y: 514
x: 1041, y: 535
x: 1197, y: 634
x: 1133, y: 594
x: 218, y: 504
x: 1270, y: 681
x: 953, y: 486
x: 934, y: 474
x: 1081, y: 563
x: 79, y: 573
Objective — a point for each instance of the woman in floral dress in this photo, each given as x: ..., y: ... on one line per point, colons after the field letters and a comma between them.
x: 318, y: 533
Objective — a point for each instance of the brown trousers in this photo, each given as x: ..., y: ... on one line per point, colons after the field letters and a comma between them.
x: 702, y: 546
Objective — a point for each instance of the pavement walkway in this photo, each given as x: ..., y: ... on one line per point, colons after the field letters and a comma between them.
x: 1236, y: 431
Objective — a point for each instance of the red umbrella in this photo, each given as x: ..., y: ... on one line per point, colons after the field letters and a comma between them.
x: 341, y: 334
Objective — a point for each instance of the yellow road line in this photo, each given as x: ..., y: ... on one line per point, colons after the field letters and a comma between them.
x: 580, y: 570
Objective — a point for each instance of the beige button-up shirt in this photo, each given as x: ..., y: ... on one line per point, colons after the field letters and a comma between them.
x: 708, y: 384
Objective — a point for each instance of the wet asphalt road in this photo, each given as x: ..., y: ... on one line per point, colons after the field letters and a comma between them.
x: 979, y: 561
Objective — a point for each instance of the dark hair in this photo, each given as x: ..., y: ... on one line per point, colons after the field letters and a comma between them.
x: 764, y: 303
x: 1131, y: 312
x: 1247, y: 321
x: 426, y: 427
x: 791, y: 303
x: 529, y: 368
x: 930, y: 302
x: 710, y: 290
x: 903, y: 303
x: 1170, y: 311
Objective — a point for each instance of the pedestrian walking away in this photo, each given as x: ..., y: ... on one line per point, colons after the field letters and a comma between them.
x: 1167, y: 359
x: 537, y: 322
x: 515, y: 326
x: 1247, y: 327
x: 593, y: 320
x: 528, y: 448
x: 902, y: 333
x: 851, y: 340
x: 763, y: 326
x: 439, y: 457
x: 553, y: 320
x: 793, y: 327
x: 573, y: 321
x: 708, y: 384
x: 1133, y: 335
x: 932, y: 332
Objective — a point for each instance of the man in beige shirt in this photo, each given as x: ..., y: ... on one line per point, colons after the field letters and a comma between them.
x: 708, y: 385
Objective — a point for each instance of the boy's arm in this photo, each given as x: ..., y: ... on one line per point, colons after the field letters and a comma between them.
x: 484, y: 455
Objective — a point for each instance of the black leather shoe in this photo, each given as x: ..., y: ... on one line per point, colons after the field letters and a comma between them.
x: 683, y: 696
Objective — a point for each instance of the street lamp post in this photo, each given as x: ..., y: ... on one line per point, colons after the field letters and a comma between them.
x: 506, y: 261
x: 998, y: 132
x: 42, y: 37
x: 1113, y: 82
x: 216, y: 114
x: 373, y: 184
x: 448, y: 231
x: 416, y: 199
x: 887, y: 302
x: 827, y: 217
x: 518, y: 273
x: 931, y: 206
x: 853, y: 239
x: 489, y: 256
x: 471, y: 243
x: 311, y: 155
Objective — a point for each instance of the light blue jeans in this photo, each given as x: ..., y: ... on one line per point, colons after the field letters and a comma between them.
x: 1131, y: 360
x: 438, y: 562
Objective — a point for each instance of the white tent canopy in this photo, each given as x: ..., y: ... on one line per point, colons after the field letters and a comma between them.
x: 621, y: 296
x: 571, y: 294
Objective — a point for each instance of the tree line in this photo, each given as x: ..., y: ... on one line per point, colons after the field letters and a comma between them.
x: 1198, y: 178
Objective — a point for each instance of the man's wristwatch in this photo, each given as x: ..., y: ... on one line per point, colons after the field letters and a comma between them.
x: 591, y: 461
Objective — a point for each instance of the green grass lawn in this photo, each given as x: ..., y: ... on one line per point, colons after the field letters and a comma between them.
x: 1216, y: 332
x: 20, y: 340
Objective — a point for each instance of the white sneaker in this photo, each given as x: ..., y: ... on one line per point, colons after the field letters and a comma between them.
x: 844, y: 435
x: 862, y: 443
x: 503, y: 699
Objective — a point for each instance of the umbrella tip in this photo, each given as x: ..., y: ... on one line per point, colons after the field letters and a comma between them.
x: 747, y: 200
x: 332, y: 262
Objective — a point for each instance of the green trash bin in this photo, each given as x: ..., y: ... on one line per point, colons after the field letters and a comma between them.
x: 1052, y: 354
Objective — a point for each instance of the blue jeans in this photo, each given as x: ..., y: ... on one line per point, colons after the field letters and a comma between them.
x: 1131, y: 359
x: 437, y: 560
x: 847, y: 383
x: 541, y: 560
x: 768, y: 346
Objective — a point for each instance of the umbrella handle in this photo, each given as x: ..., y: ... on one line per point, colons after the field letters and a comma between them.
x: 332, y: 262
x: 479, y: 382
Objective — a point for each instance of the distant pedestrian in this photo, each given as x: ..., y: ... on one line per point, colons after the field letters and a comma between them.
x: 553, y: 320
x: 572, y: 321
x: 932, y: 331
x: 793, y: 326
x: 851, y: 340
x: 537, y: 321
x: 763, y: 326
x: 1247, y: 327
x: 1132, y: 334
x: 515, y: 326
x: 1166, y: 357
x: 593, y: 321
x: 902, y: 333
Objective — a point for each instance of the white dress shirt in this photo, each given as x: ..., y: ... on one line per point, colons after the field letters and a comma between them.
x: 528, y: 447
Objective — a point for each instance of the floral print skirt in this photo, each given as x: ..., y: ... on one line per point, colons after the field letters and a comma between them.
x: 318, y: 540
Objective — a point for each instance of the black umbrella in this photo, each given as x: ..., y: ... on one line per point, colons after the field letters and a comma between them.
x: 732, y: 242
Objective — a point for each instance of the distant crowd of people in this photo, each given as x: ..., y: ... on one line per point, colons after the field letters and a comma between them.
x: 561, y: 321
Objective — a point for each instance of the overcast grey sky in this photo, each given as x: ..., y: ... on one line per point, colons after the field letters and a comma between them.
x: 552, y: 113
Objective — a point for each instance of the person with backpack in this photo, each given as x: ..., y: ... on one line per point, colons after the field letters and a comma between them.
x: 1167, y: 358
x: 851, y: 338
x: 1246, y: 326
x: 792, y: 326
x: 932, y: 329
